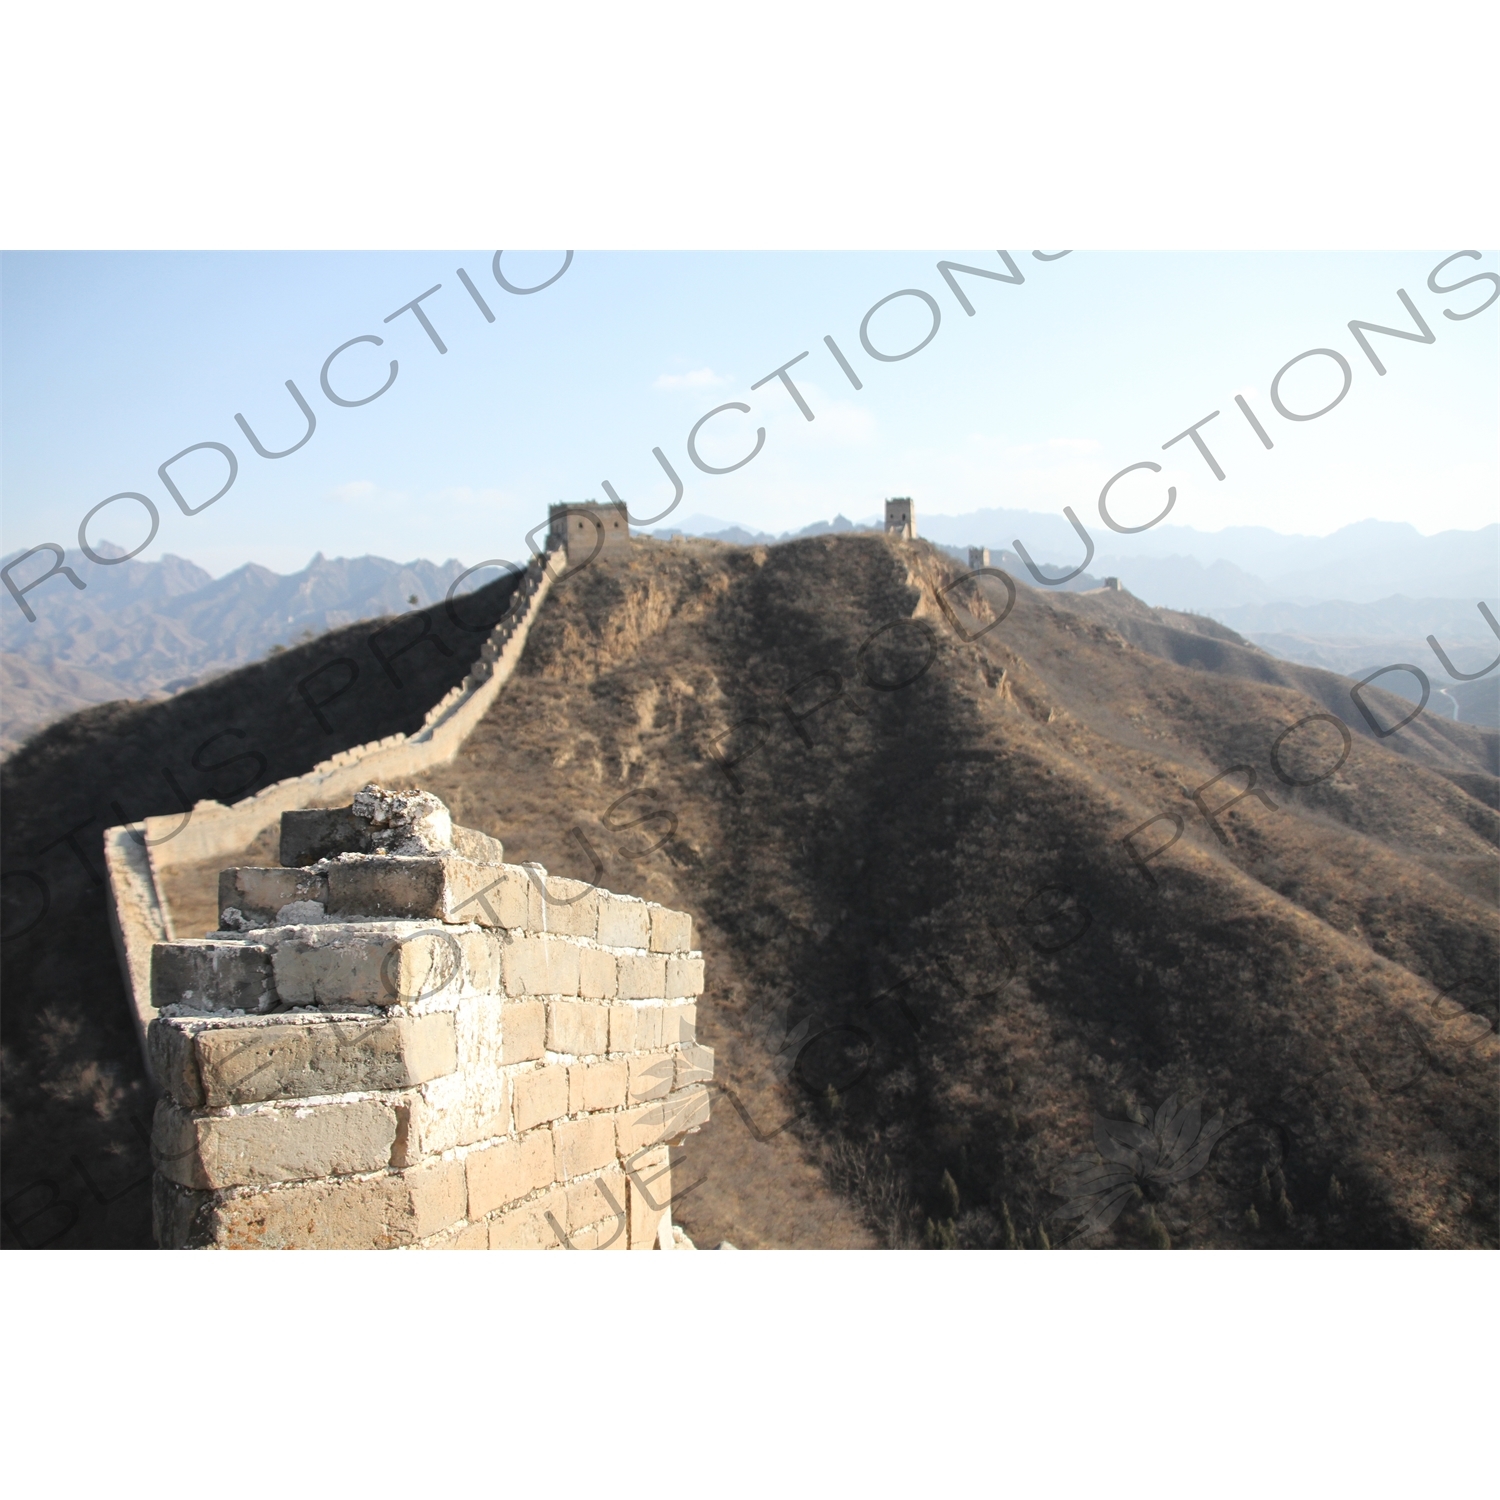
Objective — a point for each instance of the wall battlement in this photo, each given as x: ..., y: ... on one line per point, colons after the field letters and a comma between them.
x: 400, y: 1041
x: 588, y: 529
x: 901, y: 518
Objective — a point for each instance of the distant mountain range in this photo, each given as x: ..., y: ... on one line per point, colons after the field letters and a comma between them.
x: 1359, y: 599
x: 144, y: 630
x: 1366, y: 596
x: 1178, y: 567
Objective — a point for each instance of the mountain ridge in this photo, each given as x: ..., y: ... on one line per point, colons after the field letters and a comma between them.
x: 141, y: 630
x: 1183, y: 568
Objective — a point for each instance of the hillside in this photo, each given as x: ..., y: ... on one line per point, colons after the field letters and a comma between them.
x: 933, y: 964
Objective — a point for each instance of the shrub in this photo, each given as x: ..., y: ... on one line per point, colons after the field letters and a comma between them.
x: 948, y: 1191
x: 1009, y: 1228
x: 942, y: 1235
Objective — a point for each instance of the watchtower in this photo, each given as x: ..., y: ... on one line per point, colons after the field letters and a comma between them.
x: 901, y: 518
x: 591, y: 528
x: 979, y: 557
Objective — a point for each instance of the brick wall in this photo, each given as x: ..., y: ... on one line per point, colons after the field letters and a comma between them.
x: 428, y: 1049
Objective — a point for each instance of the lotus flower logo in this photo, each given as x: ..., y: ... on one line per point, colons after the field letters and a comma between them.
x: 1137, y: 1159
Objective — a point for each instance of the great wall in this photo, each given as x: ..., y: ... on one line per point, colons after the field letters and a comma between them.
x: 396, y: 1039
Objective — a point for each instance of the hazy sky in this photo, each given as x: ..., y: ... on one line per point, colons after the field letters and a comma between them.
x: 113, y: 363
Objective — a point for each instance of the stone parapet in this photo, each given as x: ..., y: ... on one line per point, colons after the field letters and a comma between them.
x: 420, y: 1049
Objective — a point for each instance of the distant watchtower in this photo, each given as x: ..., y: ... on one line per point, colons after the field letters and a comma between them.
x: 591, y: 528
x: 901, y: 518
x: 979, y: 557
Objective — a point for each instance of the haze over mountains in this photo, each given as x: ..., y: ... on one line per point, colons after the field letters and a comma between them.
x: 1365, y: 596
x: 1351, y: 602
x: 1178, y: 567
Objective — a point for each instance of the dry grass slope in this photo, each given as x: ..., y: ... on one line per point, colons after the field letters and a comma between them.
x: 918, y: 894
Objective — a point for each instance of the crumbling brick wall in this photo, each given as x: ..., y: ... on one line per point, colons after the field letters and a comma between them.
x: 136, y: 860
x: 401, y: 1041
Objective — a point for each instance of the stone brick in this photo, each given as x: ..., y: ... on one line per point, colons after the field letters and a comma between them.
x: 258, y: 894
x: 649, y: 1189
x: 523, y: 965
x: 323, y: 972
x: 584, y: 1145
x: 612, y: 1234
x: 477, y: 846
x: 671, y: 931
x: 174, y: 1060
x: 536, y: 965
x: 650, y: 1075
x: 622, y: 1028
x: 439, y: 887
x: 571, y: 907
x: 345, y: 966
x: 642, y: 976
x: 578, y: 1029
x: 684, y: 978
x: 428, y: 1126
x: 381, y: 888
x: 528, y: 1227
x: 694, y: 1064
x: 597, y: 978
x: 438, y: 1195
x: 597, y: 1201
x: 503, y: 896
x: 684, y: 1111
x: 212, y: 976
x: 314, y: 833
x: 285, y: 1059
x: 373, y: 1213
x: 679, y: 1024
x: 429, y: 963
x: 541, y: 1095
x: 523, y: 1031
x: 594, y: 1086
x: 650, y: 1022
x: 624, y: 921
x: 501, y: 1174
x: 280, y: 1145
x: 481, y: 959
x: 562, y: 966
x: 637, y: 1129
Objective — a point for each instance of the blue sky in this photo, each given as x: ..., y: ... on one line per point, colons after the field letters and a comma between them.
x: 113, y: 362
